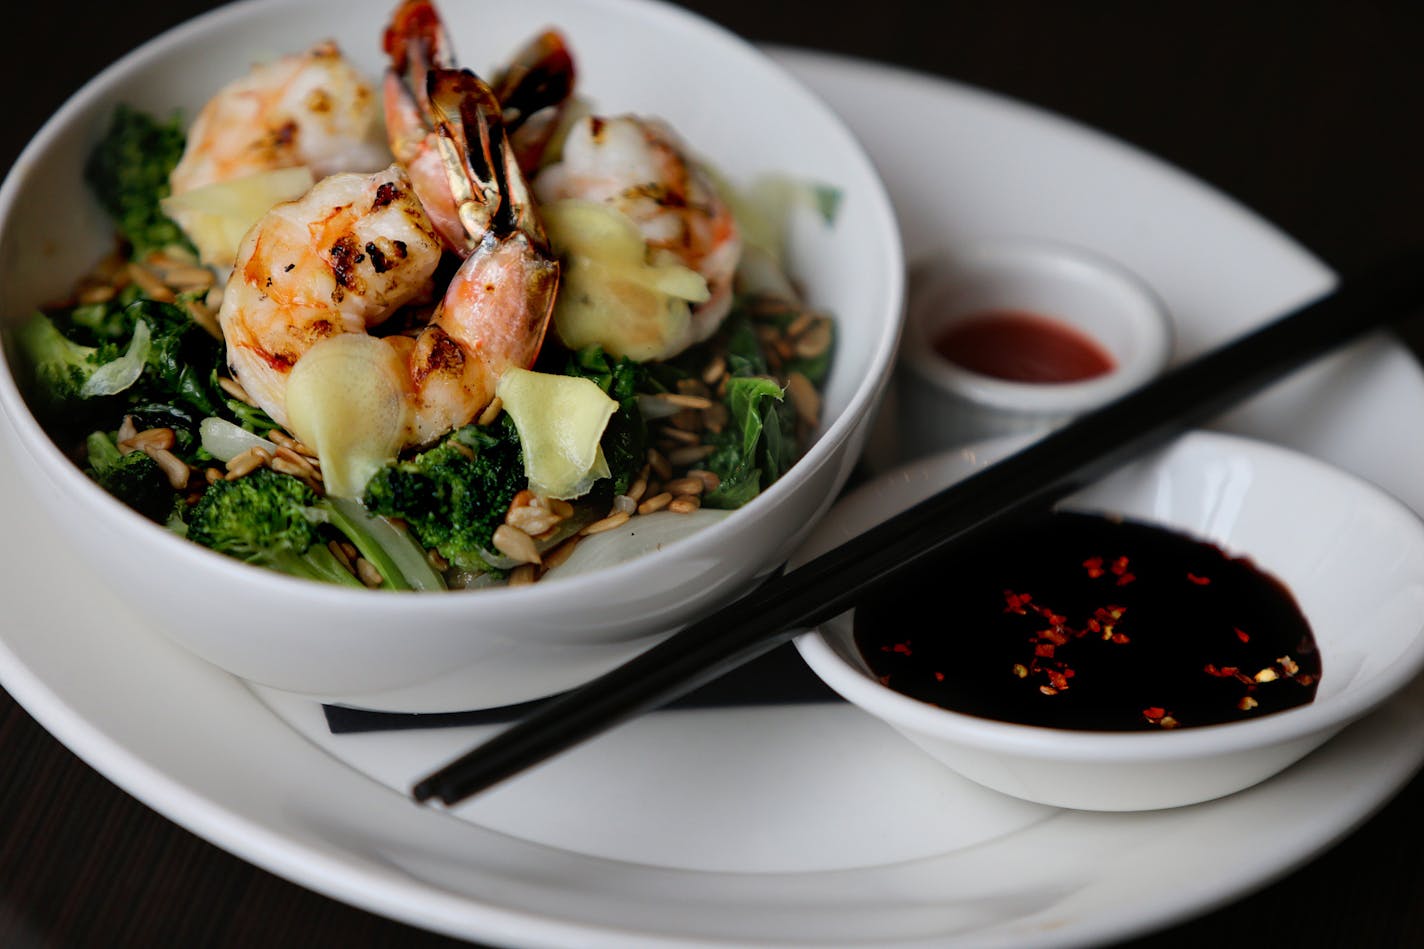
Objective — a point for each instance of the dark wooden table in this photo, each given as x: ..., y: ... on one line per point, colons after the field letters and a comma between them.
x: 1308, y: 112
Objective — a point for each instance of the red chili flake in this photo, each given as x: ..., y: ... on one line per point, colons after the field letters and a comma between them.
x: 939, y: 676
x: 1242, y: 635
x: 1094, y: 566
x: 903, y: 648
x: 1199, y: 581
x: 1044, y: 650
x: 1153, y: 713
x: 1223, y: 672
x: 1054, y: 635
x: 1124, y: 579
x: 1119, y: 566
x: 1058, y: 680
x: 1015, y: 602
x: 1104, y: 619
x: 1120, y: 639
x: 1055, y: 619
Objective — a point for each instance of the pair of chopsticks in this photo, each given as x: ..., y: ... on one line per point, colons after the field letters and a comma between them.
x: 1032, y: 479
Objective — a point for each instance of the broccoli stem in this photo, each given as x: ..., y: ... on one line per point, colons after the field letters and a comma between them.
x: 393, y: 552
x: 318, y: 563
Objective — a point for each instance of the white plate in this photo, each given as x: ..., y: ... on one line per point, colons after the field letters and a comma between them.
x: 809, y: 824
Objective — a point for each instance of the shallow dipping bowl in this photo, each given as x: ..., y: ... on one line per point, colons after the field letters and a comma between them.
x: 463, y: 650
x: 944, y: 405
x: 1352, y: 556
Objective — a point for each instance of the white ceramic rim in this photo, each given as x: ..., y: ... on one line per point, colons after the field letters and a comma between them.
x: 1204, y: 741
x: 67, y: 477
x: 1150, y: 325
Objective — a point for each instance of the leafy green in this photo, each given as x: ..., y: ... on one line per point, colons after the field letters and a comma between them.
x: 176, y: 363
x: 455, y: 495
x: 182, y: 359
x: 128, y: 171
x: 758, y: 443
x: 104, y: 322
x: 250, y: 417
x: 744, y: 352
x: 781, y: 315
x: 625, y: 438
x: 176, y: 418
x: 90, y: 366
x: 755, y: 448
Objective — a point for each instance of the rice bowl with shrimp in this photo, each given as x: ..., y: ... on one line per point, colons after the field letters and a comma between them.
x: 527, y: 344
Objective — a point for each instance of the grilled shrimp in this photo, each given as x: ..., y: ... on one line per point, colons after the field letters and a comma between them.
x: 356, y: 248
x: 642, y: 168
x: 496, y: 310
x: 532, y: 91
x: 340, y: 259
x: 310, y: 109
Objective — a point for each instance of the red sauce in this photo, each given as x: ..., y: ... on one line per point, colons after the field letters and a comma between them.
x: 1022, y: 347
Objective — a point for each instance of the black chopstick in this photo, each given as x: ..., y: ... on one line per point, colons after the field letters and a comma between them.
x: 1034, y: 478
x: 778, y: 678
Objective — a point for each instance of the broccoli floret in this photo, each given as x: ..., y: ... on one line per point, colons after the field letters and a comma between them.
x: 59, y: 367
x: 128, y: 171
x: 455, y: 495
x: 277, y: 521
x: 133, y: 478
x: 271, y: 520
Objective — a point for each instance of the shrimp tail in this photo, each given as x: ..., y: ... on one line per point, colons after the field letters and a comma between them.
x: 531, y: 94
x: 495, y: 312
x: 490, y: 190
x: 415, y: 40
x: 534, y: 90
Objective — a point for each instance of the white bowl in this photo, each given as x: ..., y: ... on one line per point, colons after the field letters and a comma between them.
x: 944, y: 405
x: 465, y: 650
x: 1352, y: 556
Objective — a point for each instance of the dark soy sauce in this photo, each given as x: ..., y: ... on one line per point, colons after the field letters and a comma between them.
x: 1074, y: 620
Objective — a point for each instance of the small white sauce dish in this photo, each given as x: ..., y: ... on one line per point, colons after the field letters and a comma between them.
x: 943, y: 404
x: 1352, y: 556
